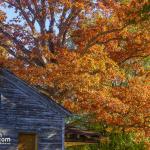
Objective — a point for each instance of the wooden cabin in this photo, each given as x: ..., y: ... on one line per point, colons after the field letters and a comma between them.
x: 28, y: 119
x: 77, y: 137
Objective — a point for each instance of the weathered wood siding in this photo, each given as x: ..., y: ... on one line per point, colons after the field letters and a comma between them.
x: 20, y: 112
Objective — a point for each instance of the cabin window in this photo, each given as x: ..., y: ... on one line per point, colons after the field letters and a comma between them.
x: 27, y: 141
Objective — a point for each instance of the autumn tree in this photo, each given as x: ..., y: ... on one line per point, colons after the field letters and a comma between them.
x: 46, y: 25
x: 49, y: 24
x: 88, y: 55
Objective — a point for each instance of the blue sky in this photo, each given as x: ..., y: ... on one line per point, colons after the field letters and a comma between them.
x: 10, y: 12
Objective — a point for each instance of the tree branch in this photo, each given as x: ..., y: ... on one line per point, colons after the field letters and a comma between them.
x: 8, y: 49
x: 93, y: 40
x: 15, y: 40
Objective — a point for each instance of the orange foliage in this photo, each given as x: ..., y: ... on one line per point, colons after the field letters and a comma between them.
x: 82, y: 58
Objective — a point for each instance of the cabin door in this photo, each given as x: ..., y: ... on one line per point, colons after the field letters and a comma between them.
x: 27, y: 141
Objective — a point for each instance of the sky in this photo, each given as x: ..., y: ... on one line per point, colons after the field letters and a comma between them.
x: 9, y: 12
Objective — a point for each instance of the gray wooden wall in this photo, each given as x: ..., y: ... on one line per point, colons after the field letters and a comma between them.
x: 23, y: 113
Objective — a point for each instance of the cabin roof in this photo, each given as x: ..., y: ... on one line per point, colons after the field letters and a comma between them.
x: 48, y: 102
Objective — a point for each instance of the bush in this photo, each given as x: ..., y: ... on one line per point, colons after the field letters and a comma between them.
x: 117, y: 141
